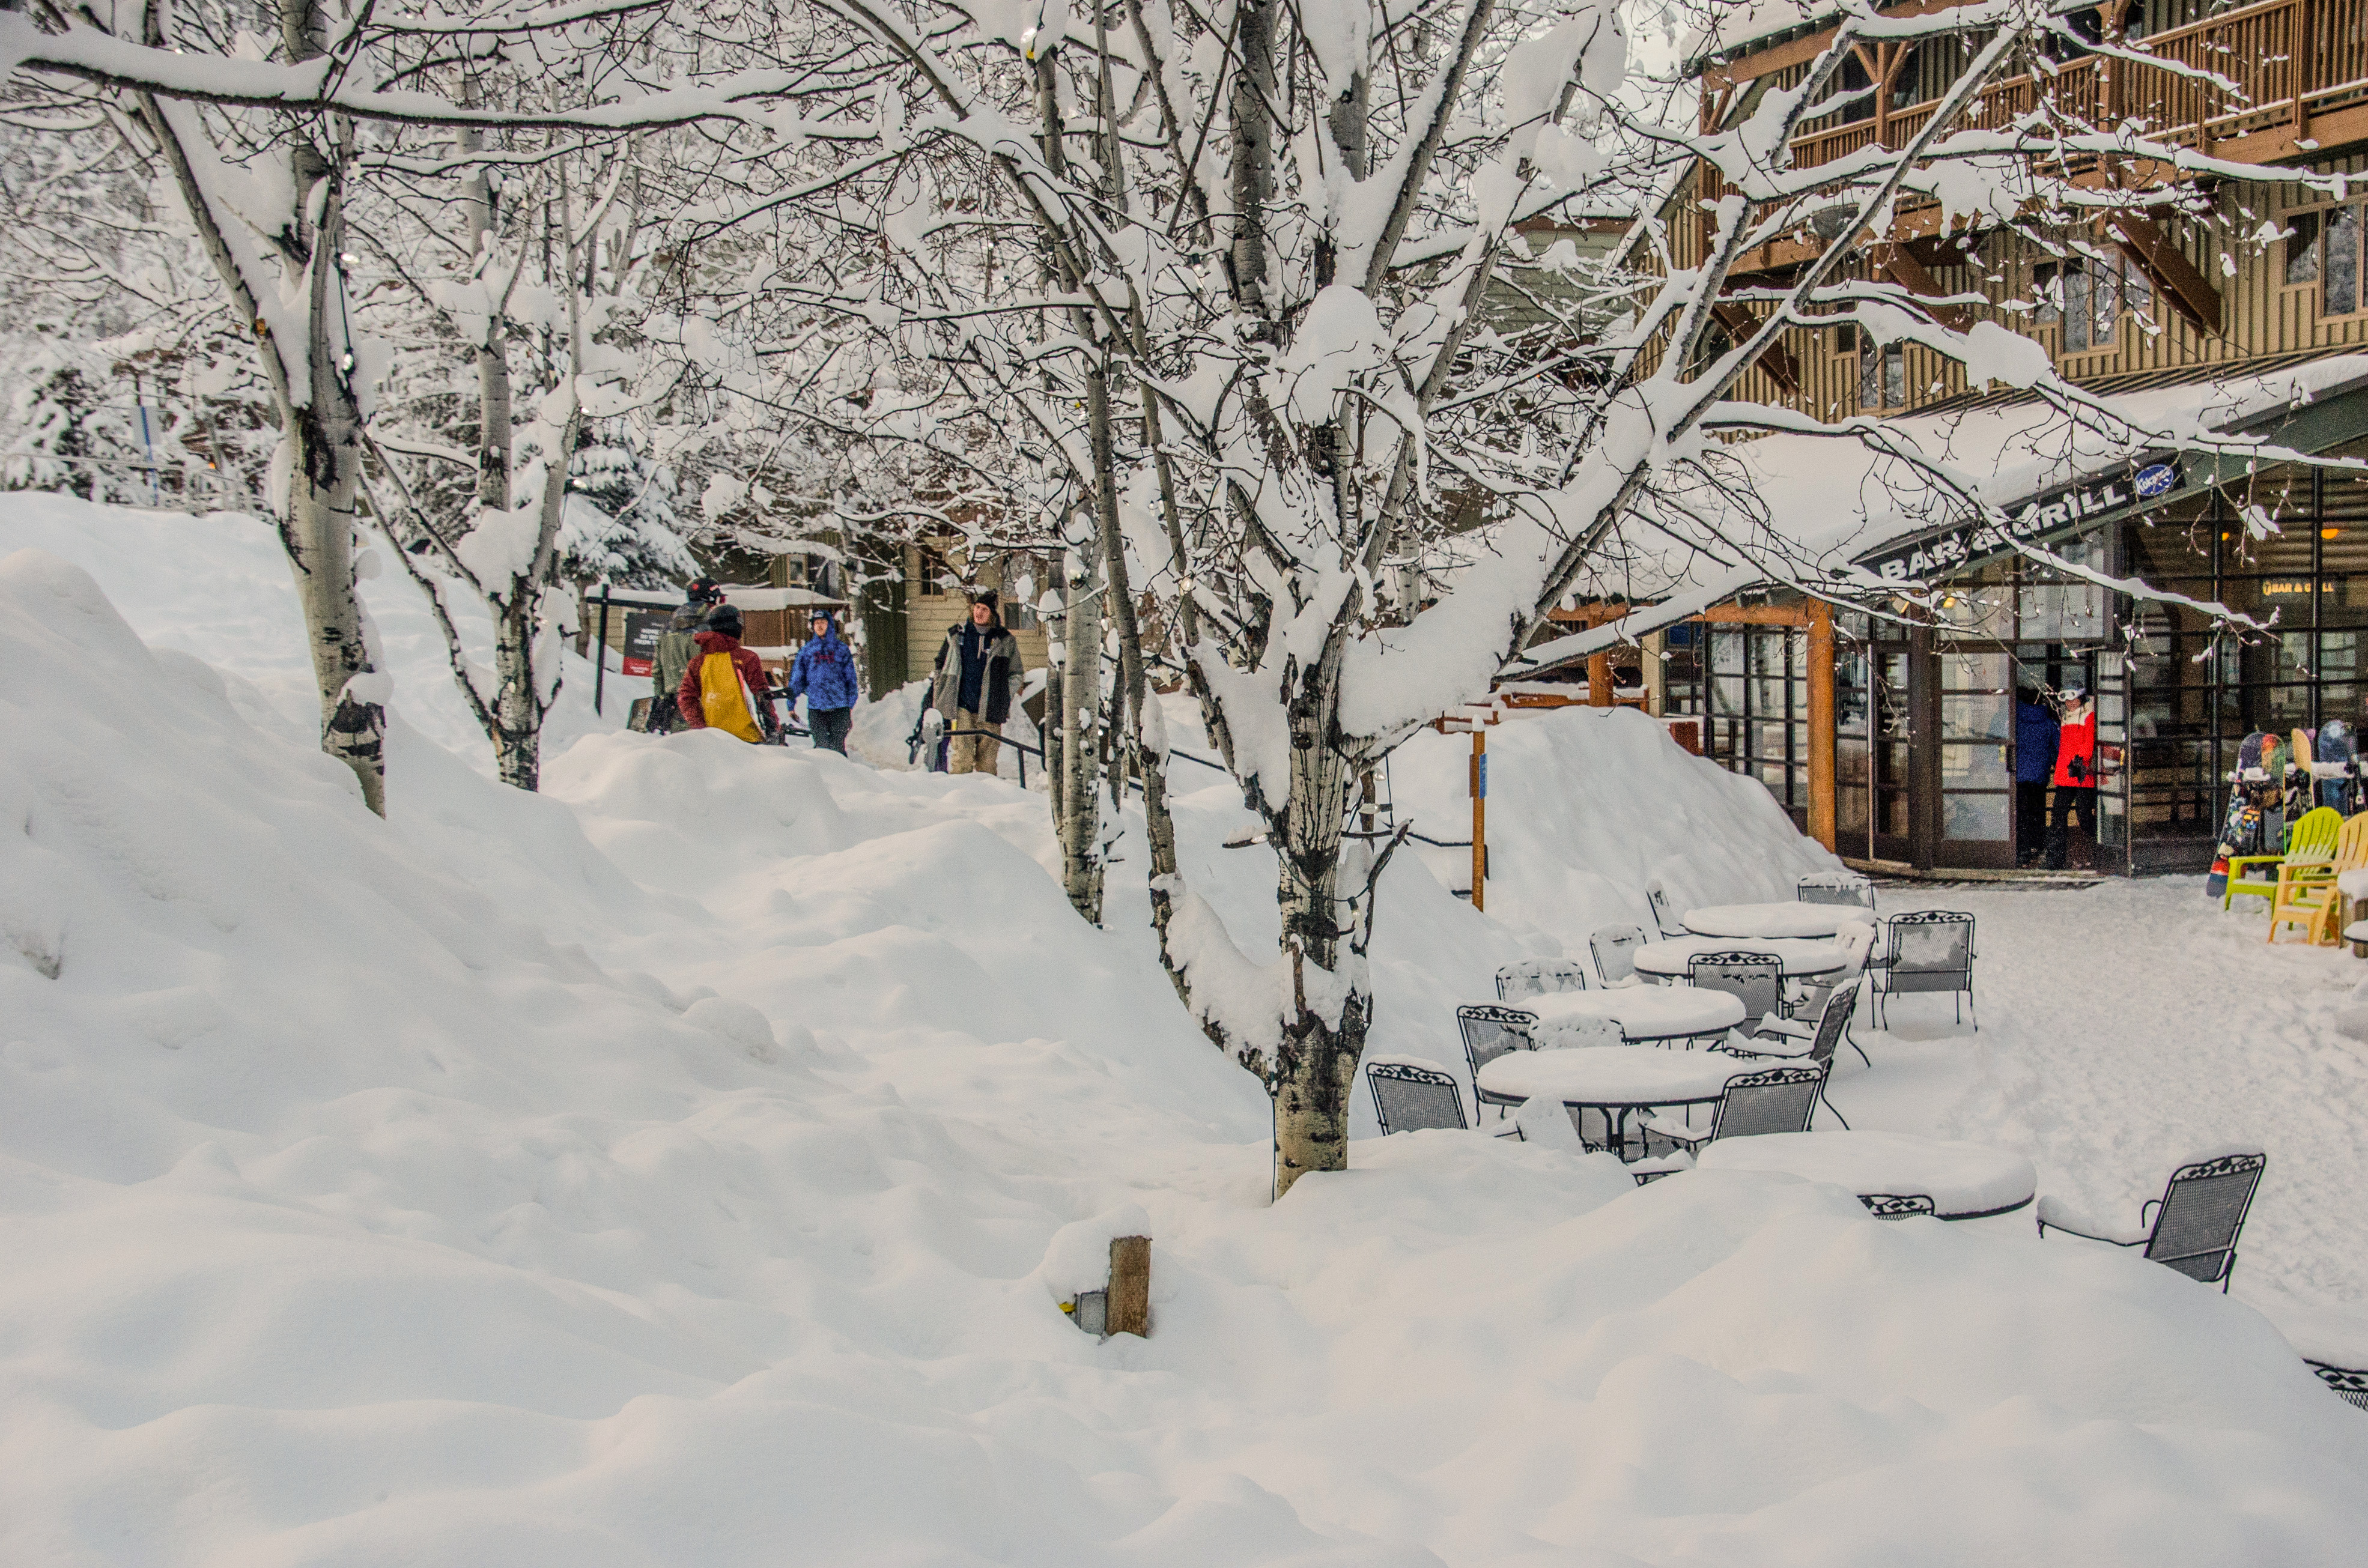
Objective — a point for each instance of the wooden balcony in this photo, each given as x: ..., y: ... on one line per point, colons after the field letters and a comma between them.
x: 2287, y: 63
x: 2293, y: 83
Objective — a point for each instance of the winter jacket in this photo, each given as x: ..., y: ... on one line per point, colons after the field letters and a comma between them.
x: 2034, y: 742
x: 998, y: 672
x: 825, y: 673
x: 2075, y: 753
x: 678, y: 646
x: 707, y: 686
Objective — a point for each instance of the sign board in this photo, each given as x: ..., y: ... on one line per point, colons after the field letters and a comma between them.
x: 1953, y: 549
x: 642, y: 629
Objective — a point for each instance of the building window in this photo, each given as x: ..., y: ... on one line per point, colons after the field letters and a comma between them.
x: 2085, y: 297
x: 1882, y: 374
x: 2323, y: 247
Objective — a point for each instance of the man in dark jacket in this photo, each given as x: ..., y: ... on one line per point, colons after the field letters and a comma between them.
x: 823, y: 675
x: 2034, y: 759
x: 725, y: 685
x: 977, y: 681
x: 678, y: 646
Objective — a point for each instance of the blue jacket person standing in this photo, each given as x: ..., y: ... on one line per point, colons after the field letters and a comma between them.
x: 824, y: 675
x: 2034, y: 760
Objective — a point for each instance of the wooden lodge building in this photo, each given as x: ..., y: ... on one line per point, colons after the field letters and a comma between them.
x: 1892, y: 740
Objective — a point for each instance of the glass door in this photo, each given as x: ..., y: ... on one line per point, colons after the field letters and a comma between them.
x: 1977, y: 825
x: 1894, y: 749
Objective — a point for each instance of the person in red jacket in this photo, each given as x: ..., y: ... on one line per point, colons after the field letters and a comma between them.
x: 723, y: 687
x: 2076, y: 776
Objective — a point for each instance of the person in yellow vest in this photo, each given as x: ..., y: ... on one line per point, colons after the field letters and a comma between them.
x: 723, y: 687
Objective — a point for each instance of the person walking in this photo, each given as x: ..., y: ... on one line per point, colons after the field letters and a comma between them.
x: 823, y: 673
x: 720, y: 688
x: 2076, y: 776
x: 678, y: 646
x: 2034, y: 760
x: 977, y: 678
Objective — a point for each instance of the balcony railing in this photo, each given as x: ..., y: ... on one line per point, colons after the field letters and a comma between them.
x: 2284, y: 61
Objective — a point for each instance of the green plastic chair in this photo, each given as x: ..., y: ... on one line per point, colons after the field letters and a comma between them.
x: 2312, y: 837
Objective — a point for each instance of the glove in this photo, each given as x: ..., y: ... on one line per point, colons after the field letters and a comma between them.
x: 2078, y: 768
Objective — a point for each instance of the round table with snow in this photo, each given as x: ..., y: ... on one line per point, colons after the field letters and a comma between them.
x: 1613, y: 1080
x: 1667, y: 959
x: 1965, y: 1181
x: 1774, y: 920
x: 1643, y: 1011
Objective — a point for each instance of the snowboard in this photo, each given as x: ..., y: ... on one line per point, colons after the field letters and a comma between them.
x: 2240, y: 830
x: 2338, y: 748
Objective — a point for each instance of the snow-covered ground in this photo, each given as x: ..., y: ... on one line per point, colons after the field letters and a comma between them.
x: 670, y: 1169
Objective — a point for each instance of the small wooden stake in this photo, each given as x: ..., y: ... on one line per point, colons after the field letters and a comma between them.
x: 1130, y: 1286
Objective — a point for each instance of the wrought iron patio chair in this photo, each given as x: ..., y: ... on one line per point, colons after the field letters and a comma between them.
x: 1859, y: 942
x: 1897, y: 1205
x: 1835, y: 887
x: 1489, y: 1032
x: 2349, y: 1384
x: 1756, y: 980
x: 1540, y: 977
x: 1614, y: 947
x: 1926, y: 950
x: 1817, y: 1043
x: 1410, y: 1098
x: 2194, y: 1223
x: 1774, y: 1099
x: 1665, y: 914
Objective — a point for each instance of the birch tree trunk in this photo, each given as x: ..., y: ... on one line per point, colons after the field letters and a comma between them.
x: 1081, y: 686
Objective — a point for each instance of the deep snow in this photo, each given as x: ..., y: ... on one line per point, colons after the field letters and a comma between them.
x: 671, y: 1168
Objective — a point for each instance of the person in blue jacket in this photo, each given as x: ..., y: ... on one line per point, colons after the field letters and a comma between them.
x: 824, y: 675
x: 2034, y: 759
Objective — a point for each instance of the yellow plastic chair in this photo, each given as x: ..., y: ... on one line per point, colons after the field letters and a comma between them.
x: 2307, y: 895
x: 2311, y: 841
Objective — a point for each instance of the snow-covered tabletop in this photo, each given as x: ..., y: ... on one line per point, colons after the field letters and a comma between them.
x: 1667, y: 959
x: 1643, y: 1011
x: 2352, y: 883
x: 1775, y: 919
x: 1965, y: 1181
x: 1612, y: 1075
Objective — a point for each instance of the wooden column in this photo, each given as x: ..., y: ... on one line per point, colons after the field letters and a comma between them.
x: 1479, y: 818
x: 1821, y: 723
x: 1598, y: 680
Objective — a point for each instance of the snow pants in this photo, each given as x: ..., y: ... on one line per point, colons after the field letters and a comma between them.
x: 2059, y: 821
x: 973, y: 753
x: 829, y: 726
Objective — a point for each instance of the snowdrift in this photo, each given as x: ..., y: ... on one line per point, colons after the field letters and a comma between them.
x: 672, y: 1169
x: 1586, y: 806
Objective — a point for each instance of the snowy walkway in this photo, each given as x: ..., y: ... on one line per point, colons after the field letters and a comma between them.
x: 2127, y: 1026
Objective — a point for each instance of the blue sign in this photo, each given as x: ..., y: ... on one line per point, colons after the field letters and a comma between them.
x: 2154, y: 481
x: 1484, y: 777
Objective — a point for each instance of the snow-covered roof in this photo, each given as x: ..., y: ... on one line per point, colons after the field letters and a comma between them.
x: 1740, y: 29
x: 764, y: 598
x: 1848, y: 505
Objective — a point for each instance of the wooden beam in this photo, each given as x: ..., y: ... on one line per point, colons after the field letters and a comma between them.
x: 1761, y: 62
x: 1755, y: 615
x: 1776, y: 359
x: 1909, y: 273
x: 2191, y: 293
x: 1821, y: 723
x: 1598, y: 680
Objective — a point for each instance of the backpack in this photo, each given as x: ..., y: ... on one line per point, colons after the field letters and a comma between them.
x: 723, y: 698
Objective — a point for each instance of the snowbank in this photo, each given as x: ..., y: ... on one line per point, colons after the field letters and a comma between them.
x: 1586, y: 806
x: 674, y: 1169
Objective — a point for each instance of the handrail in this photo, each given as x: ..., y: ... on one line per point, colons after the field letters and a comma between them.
x: 2273, y: 69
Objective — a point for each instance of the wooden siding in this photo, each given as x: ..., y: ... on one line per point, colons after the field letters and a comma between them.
x: 2262, y: 315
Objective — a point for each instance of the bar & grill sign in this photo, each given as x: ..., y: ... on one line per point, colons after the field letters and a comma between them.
x: 1950, y: 548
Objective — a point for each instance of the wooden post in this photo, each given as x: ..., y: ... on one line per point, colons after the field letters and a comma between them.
x: 1598, y: 680
x: 1657, y: 672
x: 1821, y: 723
x: 1479, y: 818
x: 1129, y: 1310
